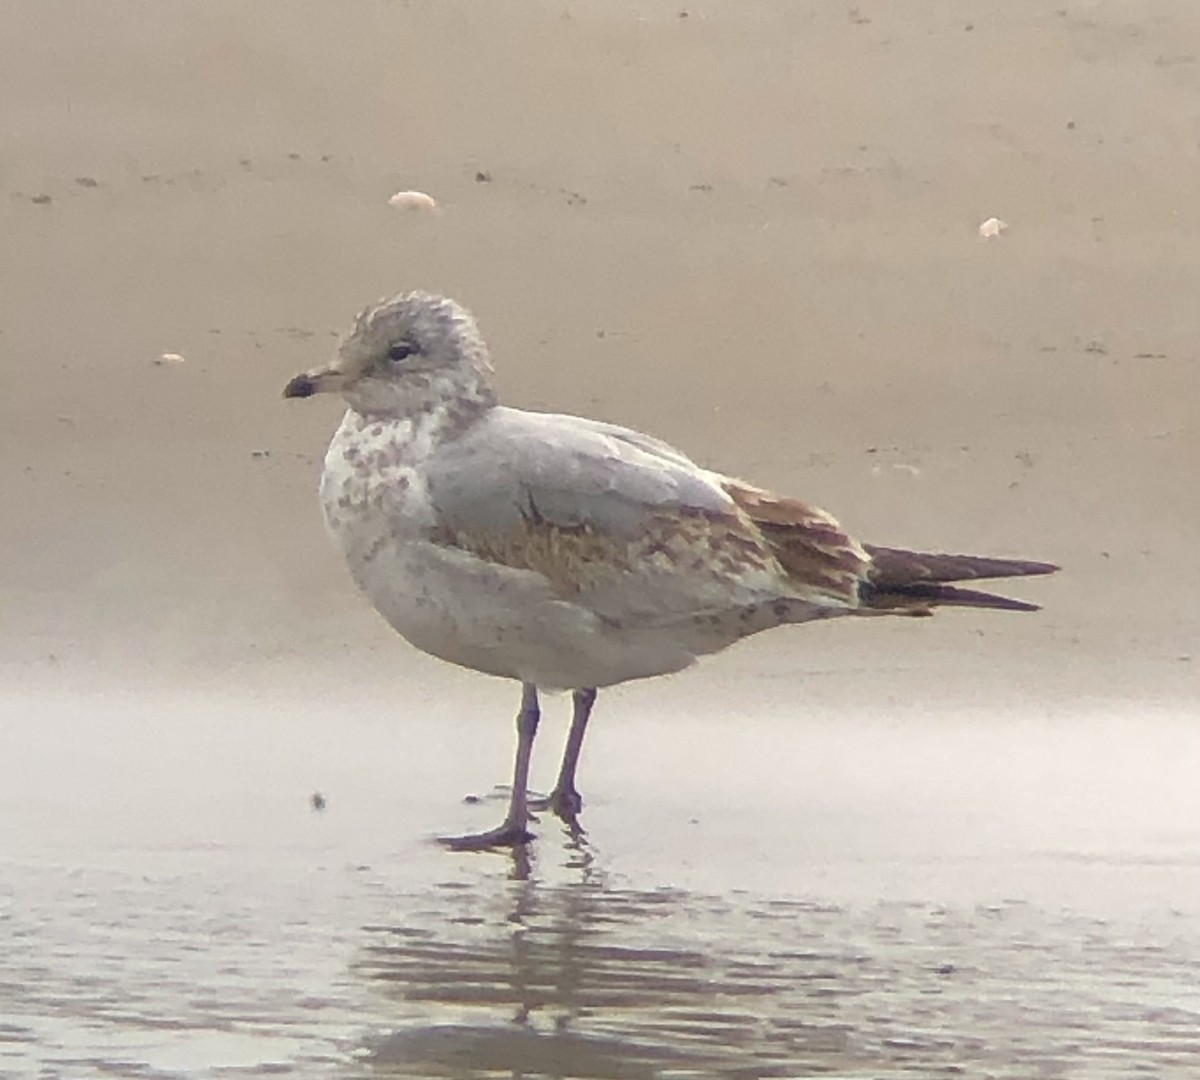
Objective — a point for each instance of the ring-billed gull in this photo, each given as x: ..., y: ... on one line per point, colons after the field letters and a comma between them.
x: 567, y: 553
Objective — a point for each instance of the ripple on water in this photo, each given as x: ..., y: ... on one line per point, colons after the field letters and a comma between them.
x: 244, y: 967
x: 685, y: 985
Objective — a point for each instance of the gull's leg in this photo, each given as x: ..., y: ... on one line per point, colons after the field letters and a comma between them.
x: 512, y: 831
x: 565, y: 801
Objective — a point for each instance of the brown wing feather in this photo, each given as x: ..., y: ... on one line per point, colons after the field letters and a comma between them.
x: 822, y: 559
x: 819, y: 557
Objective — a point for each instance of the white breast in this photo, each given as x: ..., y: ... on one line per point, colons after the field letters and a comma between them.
x: 372, y: 483
x: 445, y: 602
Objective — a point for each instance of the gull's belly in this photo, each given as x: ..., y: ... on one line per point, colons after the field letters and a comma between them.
x: 505, y: 622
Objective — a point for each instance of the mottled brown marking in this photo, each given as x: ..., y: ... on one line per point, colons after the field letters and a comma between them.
x: 816, y: 554
x: 376, y: 546
x: 819, y: 556
x: 568, y: 557
x: 574, y: 558
x: 721, y: 545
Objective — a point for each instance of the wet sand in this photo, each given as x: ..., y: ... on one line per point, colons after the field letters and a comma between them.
x: 966, y: 847
x: 809, y: 911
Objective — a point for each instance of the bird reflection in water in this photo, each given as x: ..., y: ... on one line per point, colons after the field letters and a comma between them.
x: 583, y: 978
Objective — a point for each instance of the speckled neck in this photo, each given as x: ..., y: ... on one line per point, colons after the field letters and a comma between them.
x: 450, y: 403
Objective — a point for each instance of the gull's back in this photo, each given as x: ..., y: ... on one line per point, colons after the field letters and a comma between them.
x: 620, y: 522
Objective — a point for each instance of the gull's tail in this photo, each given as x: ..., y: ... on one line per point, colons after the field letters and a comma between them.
x: 915, y: 582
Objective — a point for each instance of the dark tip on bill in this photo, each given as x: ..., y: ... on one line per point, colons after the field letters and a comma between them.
x: 300, y: 386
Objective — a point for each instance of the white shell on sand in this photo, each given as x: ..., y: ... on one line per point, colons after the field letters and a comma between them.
x: 413, y: 200
x: 992, y: 227
x: 170, y: 358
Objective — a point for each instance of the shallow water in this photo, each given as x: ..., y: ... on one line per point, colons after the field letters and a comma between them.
x: 176, y: 907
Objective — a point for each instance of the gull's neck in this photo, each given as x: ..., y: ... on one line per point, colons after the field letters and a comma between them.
x: 425, y: 401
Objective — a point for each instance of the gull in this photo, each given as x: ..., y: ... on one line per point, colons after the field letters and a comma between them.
x: 567, y: 553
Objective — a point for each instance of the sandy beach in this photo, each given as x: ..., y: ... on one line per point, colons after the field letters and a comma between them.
x: 968, y: 846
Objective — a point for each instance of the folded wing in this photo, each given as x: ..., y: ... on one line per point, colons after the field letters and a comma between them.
x: 631, y: 528
x: 812, y: 547
x: 623, y: 524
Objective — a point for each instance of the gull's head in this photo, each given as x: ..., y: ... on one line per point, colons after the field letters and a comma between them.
x: 404, y: 352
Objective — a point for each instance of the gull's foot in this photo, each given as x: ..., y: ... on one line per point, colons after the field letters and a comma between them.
x: 565, y: 803
x: 503, y: 836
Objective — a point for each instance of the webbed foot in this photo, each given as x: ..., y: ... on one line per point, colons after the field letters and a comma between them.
x: 507, y: 835
x: 563, y: 803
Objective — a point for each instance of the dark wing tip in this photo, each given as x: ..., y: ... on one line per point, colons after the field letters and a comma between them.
x: 928, y: 594
x: 1033, y: 569
x: 899, y: 566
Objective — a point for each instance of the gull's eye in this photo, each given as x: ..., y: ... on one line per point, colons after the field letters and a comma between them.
x: 402, y: 350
